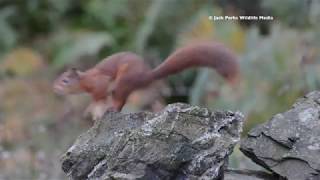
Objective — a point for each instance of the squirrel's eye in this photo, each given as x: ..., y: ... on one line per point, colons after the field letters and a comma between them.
x: 65, y: 81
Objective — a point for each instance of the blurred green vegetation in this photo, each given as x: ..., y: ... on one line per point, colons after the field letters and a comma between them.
x: 41, y: 38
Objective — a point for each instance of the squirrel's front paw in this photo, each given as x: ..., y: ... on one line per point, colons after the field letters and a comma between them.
x: 98, y: 112
x: 95, y: 110
x: 97, y: 116
x: 112, y: 109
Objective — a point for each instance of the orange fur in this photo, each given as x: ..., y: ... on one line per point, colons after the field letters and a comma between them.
x: 120, y: 74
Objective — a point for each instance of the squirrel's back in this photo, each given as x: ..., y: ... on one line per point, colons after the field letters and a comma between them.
x: 110, y: 64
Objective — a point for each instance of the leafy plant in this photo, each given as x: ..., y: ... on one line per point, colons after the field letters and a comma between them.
x: 70, y: 47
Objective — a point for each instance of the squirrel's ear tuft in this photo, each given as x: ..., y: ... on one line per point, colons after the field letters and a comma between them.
x: 73, y: 72
x: 73, y: 69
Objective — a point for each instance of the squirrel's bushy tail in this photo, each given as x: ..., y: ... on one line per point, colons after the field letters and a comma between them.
x: 212, y: 55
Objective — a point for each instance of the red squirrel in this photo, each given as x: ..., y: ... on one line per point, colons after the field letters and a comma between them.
x: 120, y: 74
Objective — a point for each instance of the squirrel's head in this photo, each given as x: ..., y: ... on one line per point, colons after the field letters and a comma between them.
x: 68, y: 82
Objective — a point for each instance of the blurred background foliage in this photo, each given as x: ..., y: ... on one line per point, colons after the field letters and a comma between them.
x: 41, y: 38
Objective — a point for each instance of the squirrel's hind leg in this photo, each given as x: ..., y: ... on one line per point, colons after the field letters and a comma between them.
x: 118, y: 104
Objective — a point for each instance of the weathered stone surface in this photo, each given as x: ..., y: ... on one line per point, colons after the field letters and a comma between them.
x: 248, y: 175
x: 289, y: 144
x: 181, y: 142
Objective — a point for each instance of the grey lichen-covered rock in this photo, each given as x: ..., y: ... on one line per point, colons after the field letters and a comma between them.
x: 181, y: 142
x: 289, y: 144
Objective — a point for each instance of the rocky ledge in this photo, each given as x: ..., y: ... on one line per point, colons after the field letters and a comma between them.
x: 181, y: 142
x: 289, y: 144
x: 186, y: 142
